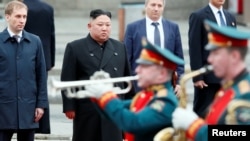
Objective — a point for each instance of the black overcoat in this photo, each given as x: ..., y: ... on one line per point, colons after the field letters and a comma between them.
x: 40, y: 21
x: 81, y: 59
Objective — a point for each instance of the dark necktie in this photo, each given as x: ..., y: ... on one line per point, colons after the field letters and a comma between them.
x: 16, y: 37
x: 157, y: 37
x: 222, y: 22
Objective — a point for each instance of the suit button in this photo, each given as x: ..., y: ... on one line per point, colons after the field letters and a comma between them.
x: 115, y: 53
x: 91, y: 54
x: 115, y: 69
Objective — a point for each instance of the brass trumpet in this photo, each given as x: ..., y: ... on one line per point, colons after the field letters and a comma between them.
x: 70, y: 85
x: 171, y: 134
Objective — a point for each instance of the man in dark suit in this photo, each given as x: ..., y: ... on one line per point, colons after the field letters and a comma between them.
x: 205, y: 86
x: 169, y: 35
x: 40, y: 21
x: 82, y: 58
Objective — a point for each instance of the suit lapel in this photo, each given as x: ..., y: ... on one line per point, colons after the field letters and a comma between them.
x: 210, y: 14
x: 109, y: 51
x: 229, y: 21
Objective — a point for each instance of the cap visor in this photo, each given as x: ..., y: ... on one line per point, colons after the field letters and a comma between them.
x: 210, y: 47
x: 145, y: 62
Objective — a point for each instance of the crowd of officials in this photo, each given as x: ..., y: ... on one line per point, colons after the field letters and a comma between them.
x: 151, y: 51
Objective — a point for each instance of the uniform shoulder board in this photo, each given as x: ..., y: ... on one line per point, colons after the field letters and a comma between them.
x: 244, y: 87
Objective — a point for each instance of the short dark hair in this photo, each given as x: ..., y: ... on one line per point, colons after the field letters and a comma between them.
x: 98, y: 12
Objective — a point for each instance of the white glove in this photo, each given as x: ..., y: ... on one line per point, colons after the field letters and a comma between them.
x: 183, y: 118
x: 98, y: 89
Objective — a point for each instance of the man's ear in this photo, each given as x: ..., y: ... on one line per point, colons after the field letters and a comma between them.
x: 7, y: 16
x: 236, y: 55
x: 89, y: 25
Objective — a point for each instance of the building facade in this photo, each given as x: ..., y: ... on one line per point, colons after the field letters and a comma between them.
x: 175, y: 9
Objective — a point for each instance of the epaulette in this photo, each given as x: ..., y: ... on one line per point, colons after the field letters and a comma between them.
x: 244, y: 87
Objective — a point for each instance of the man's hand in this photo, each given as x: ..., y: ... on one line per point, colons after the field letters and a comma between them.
x: 183, y: 118
x: 70, y: 114
x: 177, y: 90
x: 200, y: 84
x: 38, y: 114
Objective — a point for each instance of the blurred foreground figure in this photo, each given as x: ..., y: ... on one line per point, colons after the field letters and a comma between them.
x: 150, y: 109
x: 228, y: 48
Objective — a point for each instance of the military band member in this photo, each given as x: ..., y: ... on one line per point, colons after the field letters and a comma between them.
x: 228, y: 49
x: 143, y: 116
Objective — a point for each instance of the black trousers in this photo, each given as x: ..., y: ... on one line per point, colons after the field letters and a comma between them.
x: 22, y: 135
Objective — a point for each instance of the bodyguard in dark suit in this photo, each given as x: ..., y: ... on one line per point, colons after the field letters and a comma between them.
x: 207, y: 85
x: 169, y: 35
x: 82, y: 58
x: 40, y: 21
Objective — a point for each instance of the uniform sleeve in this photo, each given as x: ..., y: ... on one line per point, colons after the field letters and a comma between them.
x: 41, y: 74
x: 157, y: 114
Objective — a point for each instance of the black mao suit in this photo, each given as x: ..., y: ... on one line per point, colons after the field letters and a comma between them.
x: 40, y: 21
x: 198, y: 56
x: 82, y: 58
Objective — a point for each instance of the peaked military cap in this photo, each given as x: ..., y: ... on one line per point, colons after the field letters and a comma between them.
x: 153, y: 54
x: 225, y: 36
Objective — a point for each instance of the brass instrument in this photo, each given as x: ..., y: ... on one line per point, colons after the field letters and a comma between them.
x: 101, y: 77
x: 169, y: 133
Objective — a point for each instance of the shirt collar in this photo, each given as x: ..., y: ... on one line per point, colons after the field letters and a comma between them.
x: 12, y: 34
x: 215, y: 9
x: 149, y: 21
